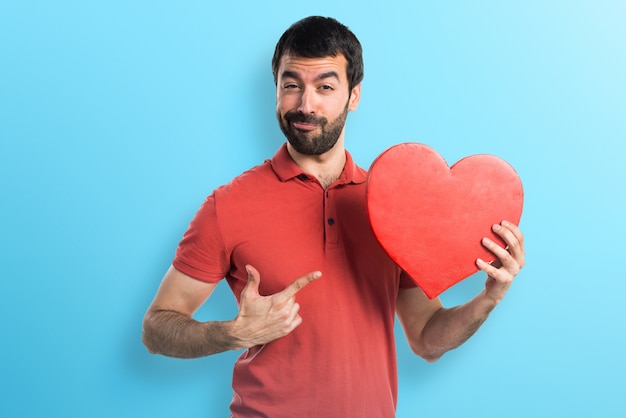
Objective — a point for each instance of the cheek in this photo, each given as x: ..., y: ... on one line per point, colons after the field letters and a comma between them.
x: 283, y: 104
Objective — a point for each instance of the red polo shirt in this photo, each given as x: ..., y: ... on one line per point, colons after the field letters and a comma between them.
x: 340, y: 362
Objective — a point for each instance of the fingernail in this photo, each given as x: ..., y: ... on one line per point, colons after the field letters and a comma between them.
x: 496, y: 227
x: 506, y: 223
x: 317, y: 274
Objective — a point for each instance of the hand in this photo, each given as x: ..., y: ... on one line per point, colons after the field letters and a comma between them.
x: 262, y: 319
x: 509, y: 261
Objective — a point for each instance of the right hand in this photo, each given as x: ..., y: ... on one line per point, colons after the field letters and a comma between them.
x: 262, y: 319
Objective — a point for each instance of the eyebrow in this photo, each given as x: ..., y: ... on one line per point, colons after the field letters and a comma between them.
x: 323, y: 76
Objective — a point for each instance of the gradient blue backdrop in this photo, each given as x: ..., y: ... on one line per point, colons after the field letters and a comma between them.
x: 117, y: 118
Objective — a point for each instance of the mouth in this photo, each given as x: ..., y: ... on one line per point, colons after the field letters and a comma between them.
x: 303, y: 126
x: 303, y: 123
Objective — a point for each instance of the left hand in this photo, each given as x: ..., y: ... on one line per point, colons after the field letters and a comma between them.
x: 509, y: 261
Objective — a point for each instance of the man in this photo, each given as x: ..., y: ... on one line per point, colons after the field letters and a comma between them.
x: 316, y: 293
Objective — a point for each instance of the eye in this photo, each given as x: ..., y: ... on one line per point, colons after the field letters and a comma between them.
x: 290, y: 86
x: 326, y: 87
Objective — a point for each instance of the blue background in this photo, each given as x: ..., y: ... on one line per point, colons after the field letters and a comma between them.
x: 117, y: 118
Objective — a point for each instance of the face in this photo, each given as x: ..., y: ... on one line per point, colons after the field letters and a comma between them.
x: 312, y: 102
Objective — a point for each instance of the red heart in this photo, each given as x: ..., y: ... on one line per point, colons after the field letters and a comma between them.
x: 430, y: 218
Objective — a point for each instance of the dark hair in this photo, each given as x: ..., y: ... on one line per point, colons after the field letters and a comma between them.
x: 319, y: 37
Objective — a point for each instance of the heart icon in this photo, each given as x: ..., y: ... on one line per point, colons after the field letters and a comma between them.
x: 430, y: 218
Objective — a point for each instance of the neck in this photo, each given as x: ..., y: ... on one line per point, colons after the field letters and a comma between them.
x: 326, y: 168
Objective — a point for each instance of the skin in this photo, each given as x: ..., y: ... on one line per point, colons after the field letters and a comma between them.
x: 169, y: 328
x: 432, y: 330
x: 318, y: 87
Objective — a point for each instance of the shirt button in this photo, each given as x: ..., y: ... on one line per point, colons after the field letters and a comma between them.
x: 303, y: 177
x: 331, y: 221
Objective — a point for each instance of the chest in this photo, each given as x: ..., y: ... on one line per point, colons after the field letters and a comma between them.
x: 293, y: 233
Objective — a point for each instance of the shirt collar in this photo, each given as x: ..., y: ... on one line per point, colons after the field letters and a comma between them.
x: 286, y: 168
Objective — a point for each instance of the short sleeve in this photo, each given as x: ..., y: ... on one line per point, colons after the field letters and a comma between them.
x: 201, y: 253
x: 405, y: 281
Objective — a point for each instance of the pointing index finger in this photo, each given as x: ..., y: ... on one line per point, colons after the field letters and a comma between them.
x: 300, y: 283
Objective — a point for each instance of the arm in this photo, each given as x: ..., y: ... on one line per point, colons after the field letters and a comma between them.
x: 433, y: 330
x: 169, y: 329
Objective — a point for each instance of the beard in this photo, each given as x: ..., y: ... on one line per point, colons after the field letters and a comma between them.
x: 306, y: 142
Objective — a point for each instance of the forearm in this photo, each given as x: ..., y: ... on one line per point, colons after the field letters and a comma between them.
x: 177, y: 335
x: 448, y: 328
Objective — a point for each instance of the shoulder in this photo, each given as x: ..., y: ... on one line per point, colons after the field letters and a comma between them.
x: 250, y: 180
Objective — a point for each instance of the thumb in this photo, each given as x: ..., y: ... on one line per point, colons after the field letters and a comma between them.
x: 254, y: 278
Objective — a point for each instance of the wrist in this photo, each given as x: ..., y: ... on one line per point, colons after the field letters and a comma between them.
x: 224, y: 335
x: 488, y: 300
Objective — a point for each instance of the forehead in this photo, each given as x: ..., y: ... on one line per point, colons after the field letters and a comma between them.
x: 312, y: 67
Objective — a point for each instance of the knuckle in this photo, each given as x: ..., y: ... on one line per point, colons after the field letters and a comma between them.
x: 281, y: 316
x: 515, y: 245
x: 286, y: 327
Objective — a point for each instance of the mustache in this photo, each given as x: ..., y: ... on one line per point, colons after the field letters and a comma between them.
x: 305, y: 118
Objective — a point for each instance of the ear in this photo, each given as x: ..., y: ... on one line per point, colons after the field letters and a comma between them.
x: 355, y: 97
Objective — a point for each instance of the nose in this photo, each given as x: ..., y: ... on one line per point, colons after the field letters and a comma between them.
x: 307, y: 101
